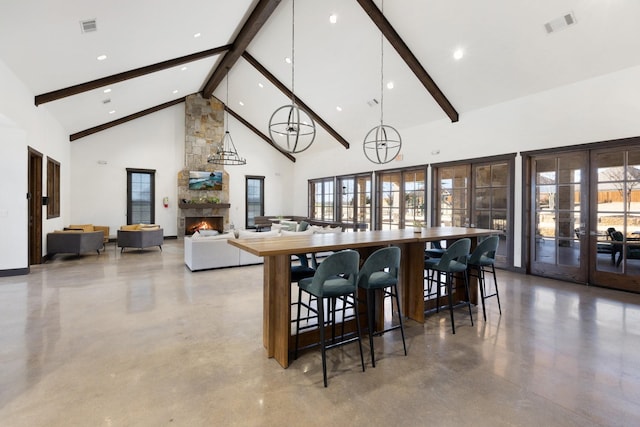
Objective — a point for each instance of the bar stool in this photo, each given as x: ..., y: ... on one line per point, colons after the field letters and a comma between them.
x: 334, y: 280
x: 301, y: 271
x: 483, y: 258
x: 453, y: 260
x: 380, y: 272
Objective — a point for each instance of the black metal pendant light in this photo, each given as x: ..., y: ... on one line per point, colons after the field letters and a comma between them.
x: 383, y: 142
x: 290, y: 127
x: 226, y: 153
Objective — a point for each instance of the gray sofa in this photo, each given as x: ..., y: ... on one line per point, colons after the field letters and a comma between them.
x: 140, y: 239
x: 75, y: 242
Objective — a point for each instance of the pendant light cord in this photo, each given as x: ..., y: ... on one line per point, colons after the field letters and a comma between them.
x: 382, y: 72
x: 226, y: 104
x: 293, y: 44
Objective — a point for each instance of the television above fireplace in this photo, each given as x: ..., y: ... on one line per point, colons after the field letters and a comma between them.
x: 202, y: 180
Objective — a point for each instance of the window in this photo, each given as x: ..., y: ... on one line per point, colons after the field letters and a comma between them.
x: 254, y: 199
x: 321, y: 199
x: 53, y: 188
x: 140, y: 196
x: 354, y: 203
x: 401, y: 198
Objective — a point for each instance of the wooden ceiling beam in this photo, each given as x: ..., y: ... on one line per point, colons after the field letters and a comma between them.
x: 127, y: 75
x: 125, y: 119
x: 277, y: 83
x: 241, y: 119
x: 258, y: 17
x: 409, y: 58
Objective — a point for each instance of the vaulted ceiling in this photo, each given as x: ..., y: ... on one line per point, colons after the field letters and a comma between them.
x: 154, y: 58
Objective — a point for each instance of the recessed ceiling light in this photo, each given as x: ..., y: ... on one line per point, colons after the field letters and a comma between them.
x: 339, y: 108
x: 107, y: 90
x: 183, y: 68
x: 175, y: 91
x: 112, y: 112
x: 102, y: 57
x: 196, y: 35
x: 287, y: 60
x: 458, y: 54
x: 333, y: 18
x: 390, y: 85
x: 241, y: 103
x: 260, y: 85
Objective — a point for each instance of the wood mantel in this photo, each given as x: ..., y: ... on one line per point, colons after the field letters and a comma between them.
x: 204, y: 205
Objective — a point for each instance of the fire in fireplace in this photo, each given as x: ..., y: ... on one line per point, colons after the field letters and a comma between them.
x: 193, y: 224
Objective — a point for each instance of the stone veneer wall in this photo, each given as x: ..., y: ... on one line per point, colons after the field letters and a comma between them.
x: 204, y: 129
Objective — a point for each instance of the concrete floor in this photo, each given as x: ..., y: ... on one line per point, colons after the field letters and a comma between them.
x: 135, y: 339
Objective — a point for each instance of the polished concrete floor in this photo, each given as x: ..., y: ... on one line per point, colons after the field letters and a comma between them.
x: 135, y: 339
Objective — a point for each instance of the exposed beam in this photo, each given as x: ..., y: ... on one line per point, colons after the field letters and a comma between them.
x: 409, y: 58
x: 117, y: 78
x: 256, y: 20
x: 257, y: 132
x: 125, y: 119
x: 277, y: 83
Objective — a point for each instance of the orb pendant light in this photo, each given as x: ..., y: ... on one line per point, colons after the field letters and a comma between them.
x: 291, y: 128
x: 382, y: 144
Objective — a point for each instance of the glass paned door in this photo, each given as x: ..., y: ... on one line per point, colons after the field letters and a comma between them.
x: 615, y: 234
x: 558, y: 246
x: 491, y: 205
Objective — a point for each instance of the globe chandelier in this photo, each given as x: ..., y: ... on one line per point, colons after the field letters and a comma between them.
x: 382, y: 143
x: 291, y: 128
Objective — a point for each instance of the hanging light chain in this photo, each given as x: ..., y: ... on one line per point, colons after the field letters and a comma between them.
x: 293, y: 47
x: 382, y: 72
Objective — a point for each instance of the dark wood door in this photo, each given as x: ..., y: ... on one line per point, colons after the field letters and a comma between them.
x: 614, y: 235
x: 559, y: 243
x: 35, y: 207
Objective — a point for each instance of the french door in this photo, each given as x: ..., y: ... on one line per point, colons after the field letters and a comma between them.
x: 585, y: 216
x: 559, y: 216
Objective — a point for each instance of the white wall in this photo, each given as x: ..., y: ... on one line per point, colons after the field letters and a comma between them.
x: 156, y: 141
x: 598, y: 109
x: 262, y: 160
x: 24, y: 125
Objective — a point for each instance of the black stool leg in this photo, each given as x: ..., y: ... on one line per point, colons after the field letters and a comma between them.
x: 322, y: 343
x: 483, y: 291
x: 495, y: 282
x: 466, y: 285
x: 371, y: 322
x: 394, y: 289
x: 295, y: 352
x: 450, y: 296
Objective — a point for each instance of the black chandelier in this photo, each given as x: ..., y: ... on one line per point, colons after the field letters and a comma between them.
x: 290, y: 127
x: 226, y: 153
x: 382, y: 143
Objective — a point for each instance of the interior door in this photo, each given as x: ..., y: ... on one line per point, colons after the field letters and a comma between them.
x: 35, y: 207
x: 559, y: 244
x: 615, y: 232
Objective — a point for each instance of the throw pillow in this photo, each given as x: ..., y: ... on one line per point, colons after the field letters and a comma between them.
x: 303, y: 225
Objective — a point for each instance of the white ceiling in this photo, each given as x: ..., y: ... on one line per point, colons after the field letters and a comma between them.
x: 508, y: 54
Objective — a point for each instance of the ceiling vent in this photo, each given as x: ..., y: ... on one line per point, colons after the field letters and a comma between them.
x: 373, y: 102
x: 88, y: 26
x: 560, y: 23
x: 106, y: 100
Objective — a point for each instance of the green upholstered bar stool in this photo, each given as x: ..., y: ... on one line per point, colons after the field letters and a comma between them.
x: 334, y: 281
x: 481, y: 261
x: 380, y: 273
x: 453, y: 260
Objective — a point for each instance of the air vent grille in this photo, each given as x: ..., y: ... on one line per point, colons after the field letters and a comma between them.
x: 88, y: 26
x: 560, y: 23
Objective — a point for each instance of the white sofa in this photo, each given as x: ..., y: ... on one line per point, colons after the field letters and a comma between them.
x: 206, y: 252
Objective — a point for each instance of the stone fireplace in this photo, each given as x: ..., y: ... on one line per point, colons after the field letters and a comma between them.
x: 204, y: 129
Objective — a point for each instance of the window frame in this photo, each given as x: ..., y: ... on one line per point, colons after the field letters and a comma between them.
x: 357, y: 195
x: 247, y: 203
x: 53, y: 188
x: 325, y: 205
x: 152, y: 194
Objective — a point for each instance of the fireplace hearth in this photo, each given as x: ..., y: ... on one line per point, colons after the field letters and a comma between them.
x: 193, y: 224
